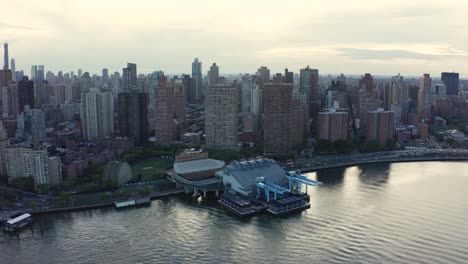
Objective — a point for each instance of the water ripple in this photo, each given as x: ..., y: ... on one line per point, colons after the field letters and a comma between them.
x: 390, y: 214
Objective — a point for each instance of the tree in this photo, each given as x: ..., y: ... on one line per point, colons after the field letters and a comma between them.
x: 391, y: 144
x: 24, y: 184
x: 324, y: 146
x: 372, y: 146
x: 450, y: 141
x: 42, y: 188
x: 341, y: 146
x: 33, y: 205
x: 146, y: 191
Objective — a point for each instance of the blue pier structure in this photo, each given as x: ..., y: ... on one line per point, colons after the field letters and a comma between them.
x: 297, y: 179
x: 269, y: 187
x: 277, y: 192
x: 284, y: 200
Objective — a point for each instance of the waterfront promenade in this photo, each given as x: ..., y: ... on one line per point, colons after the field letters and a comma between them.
x: 42, y: 210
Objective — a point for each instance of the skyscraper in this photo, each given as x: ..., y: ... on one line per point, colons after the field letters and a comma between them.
x: 333, y: 126
x: 32, y: 122
x: 129, y: 76
x: 213, y: 74
x: 440, y: 90
x: 10, y: 100
x: 34, y: 163
x: 264, y: 73
x: 400, y: 97
x: 452, y: 81
x: 25, y: 94
x: 97, y: 114
x: 221, y: 116
x: 4, y: 142
x: 85, y: 82
x: 288, y: 76
x: 250, y: 92
x: 133, y: 116
x: 277, y: 109
x: 13, y: 70
x: 197, y: 79
x: 380, y: 126
x: 308, y: 85
x: 105, y: 75
x: 367, y: 82
x: 5, y: 77
x: 424, y: 95
x: 5, y: 57
x: 165, y: 114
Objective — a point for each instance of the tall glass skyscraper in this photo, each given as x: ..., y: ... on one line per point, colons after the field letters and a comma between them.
x: 452, y: 81
x: 197, y: 79
x: 5, y: 56
x: 129, y: 76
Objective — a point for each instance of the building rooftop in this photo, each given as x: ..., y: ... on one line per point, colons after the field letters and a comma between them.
x: 238, y: 200
x: 198, y: 165
x: 17, y: 219
x: 246, y: 172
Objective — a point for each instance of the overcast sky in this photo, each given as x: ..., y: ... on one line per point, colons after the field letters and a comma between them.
x: 410, y: 37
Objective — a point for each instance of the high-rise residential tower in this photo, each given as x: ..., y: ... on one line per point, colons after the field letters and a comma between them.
x: 10, y: 100
x: 133, y: 116
x: 4, y: 142
x: 264, y: 73
x: 288, y: 76
x: 333, y: 125
x: 213, y: 74
x: 367, y: 82
x: 170, y: 111
x: 35, y: 163
x: 400, y: 97
x: 197, y: 79
x: 277, y: 109
x: 97, y: 114
x: 221, y: 116
x: 32, y: 122
x: 424, y: 95
x: 129, y: 77
x: 380, y: 126
x: 250, y: 92
x: 105, y: 75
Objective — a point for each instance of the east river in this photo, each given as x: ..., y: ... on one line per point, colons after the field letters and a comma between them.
x: 380, y: 213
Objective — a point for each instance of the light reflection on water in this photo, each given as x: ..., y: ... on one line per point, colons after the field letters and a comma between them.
x: 381, y: 213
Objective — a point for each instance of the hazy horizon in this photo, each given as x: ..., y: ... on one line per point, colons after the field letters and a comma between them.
x: 381, y: 37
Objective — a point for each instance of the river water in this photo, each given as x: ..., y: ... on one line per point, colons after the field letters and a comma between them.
x: 381, y: 213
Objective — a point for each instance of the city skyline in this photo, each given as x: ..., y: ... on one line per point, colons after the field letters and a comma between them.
x: 335, y: 37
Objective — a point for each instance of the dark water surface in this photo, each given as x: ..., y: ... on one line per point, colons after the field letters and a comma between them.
x: 382, y: 213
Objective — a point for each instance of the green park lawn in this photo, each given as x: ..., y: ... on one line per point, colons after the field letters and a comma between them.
x: 151, y: 169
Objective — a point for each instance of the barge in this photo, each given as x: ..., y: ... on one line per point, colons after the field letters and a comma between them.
x: 18, y: 223
x: 288, y: 205
x: 132, y: 202
x: 236, y: 205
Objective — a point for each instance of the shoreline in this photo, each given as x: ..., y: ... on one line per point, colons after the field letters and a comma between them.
x: 178, y: 191
x: 154, y: 196
x: 363, y: 162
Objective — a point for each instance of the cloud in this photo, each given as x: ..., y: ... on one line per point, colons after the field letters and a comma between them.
x: 6, y: 26
x: 393, y: 54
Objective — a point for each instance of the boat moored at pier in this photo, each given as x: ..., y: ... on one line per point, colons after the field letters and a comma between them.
x: 237, y: 205
x: 18, y: 223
